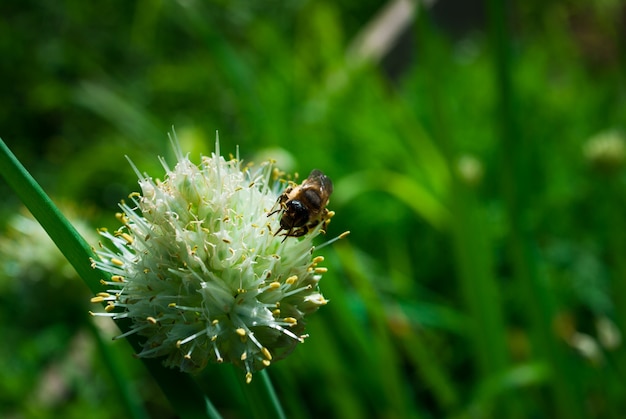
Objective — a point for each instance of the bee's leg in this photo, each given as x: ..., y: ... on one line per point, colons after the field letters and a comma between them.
x: 299, y: 232
x: 315, y: 223
x: 280, y: 202
x: 296, y: 232
x: 269, y: 214
x: 281, y: 206
x: 289, y: 233
x: 324, y: 225
x: 326, y: 219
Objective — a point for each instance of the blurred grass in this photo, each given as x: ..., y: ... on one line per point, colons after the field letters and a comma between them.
x: 454, y: 296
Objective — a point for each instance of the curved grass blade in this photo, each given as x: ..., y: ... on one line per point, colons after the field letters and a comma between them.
x: 180, y: 389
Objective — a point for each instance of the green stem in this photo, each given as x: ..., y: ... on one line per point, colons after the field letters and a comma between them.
x: 610, y: 205
x: 271, y: 394
x: 211, y: 410
x: 391, y: 382
x: 472, y: 244
x: 260, y: 397
x: 515, y: 153
x: 473, y: 254
x: 127, y: 392
x: 179, y: 388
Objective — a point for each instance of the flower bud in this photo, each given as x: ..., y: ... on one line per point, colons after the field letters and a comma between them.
x: 470, y: 170
x: 606, y: 151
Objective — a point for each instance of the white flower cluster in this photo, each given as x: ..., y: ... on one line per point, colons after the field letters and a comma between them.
x: 197, y: 268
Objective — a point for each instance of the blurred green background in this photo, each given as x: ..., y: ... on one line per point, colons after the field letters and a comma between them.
x: 478, y: 161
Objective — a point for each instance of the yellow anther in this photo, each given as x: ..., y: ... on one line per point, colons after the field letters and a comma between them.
x: 151, y: 320
x: 274, y: 285
x: 318, y: 259
x: 321, y: 270
x: 117, y: 278
x: 241, y: 332
x: 291, y: 280
x: 290, y: 320
x: 117, y: 262
x: 172, y: 305
x: 121, y: 217
x: 244, y: 356
x: 248, y: 377
x: 344, y: 234
x: 276, y: 312
x: 214, y: 322
x: 266, y: 353
x: 109, y: 307
x: 97, y: 299
x: 129, y: 239
x: 266, y: 362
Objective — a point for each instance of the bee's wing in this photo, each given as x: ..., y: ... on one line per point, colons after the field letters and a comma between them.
x: 319, y: 179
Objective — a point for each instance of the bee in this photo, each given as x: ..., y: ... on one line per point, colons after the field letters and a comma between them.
x: 304, y: 206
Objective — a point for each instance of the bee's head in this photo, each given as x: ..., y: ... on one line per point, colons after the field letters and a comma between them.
x: 295, y: 215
